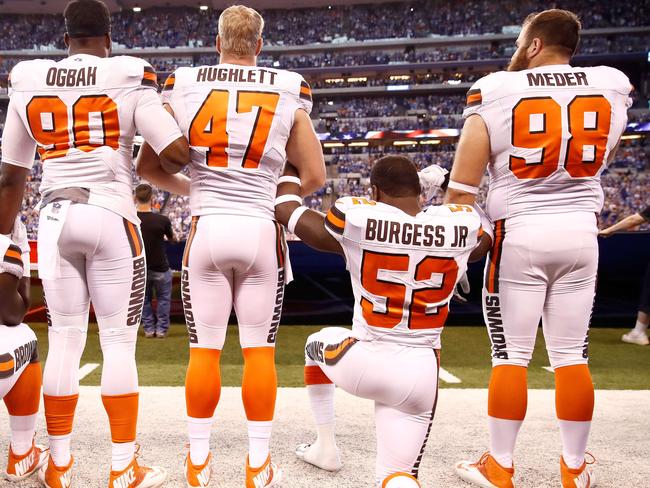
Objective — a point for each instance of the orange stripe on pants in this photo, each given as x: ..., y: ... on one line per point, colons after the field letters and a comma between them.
x: 25, y: 396
x: 203, y: 382
x: 508, y: 392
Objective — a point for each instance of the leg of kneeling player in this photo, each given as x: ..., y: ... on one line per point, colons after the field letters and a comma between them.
x: 566, y: 322
x: 20, y: 388
x: 207, y: 292
x: 259, y: 293
x: 322, y: 453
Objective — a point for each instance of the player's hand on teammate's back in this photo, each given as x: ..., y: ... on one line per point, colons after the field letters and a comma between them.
x: 464, y: 287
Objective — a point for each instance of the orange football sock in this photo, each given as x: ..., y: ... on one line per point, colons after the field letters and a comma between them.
x: 59, y: 413
x: 260, y: 383
x: 574, y: 393
x: 315, y: 376
x: 203, y: 382
x: 25, y: 396
x: 507, y: 404
x: 574, y: 404
x: 122, y: 413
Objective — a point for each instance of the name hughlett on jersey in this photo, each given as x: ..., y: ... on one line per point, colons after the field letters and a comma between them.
x: 409, y: 234
x: 235, y: 75
x: 85, y: 76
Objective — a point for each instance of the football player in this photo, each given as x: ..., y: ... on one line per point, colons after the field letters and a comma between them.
x: 404, y: 265
x: 20, y: 370
x: 242, y: 123
x: 545, y: 130
x: 82, y: 113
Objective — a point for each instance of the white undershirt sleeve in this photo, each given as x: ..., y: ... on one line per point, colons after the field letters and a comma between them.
x: 18, y: 147
x: 154, y: 123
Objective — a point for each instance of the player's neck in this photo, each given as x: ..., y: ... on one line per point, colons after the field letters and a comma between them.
x: 548, y: 59
x: 92, y: 47
x: 239, y: 60
x: 143, y: 207
x: 408, y: 205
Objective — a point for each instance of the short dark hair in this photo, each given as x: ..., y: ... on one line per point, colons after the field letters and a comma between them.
x: 556, y: 28
x: 396, y: 176
x: 143, y: 193
x: 87, y: 18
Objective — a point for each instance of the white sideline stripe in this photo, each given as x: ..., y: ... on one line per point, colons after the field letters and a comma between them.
x: 447, y: 377
x: 86, y: 369
x: 548, y: 368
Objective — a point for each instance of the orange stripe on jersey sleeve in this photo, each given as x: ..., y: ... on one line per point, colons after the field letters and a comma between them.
x: 149, y: 78
x: 305, y: 91
x: 13, y: 255
x: 474, y: 98
x: 7, y: 365
x: 169, y: 82
x: 334, y: 223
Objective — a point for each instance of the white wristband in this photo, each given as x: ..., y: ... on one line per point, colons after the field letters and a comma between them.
x: 290, y: 197
x: 463, y: 187
x: 295, y: 216
x: 289, y: 179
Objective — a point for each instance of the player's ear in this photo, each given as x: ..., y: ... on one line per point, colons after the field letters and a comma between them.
x: 258, y: 47
x: 374, y: 193
x: 108, y: 43
x: 66, y: 40
x: 218, y: 44
x: 534, y: 48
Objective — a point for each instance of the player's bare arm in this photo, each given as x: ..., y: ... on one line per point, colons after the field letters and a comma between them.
x: 627, y: 223
x: 149, y: 166
x: 12, y: 305
x: 310, y: 226
x: 471, y: 159
x: 305, y: 153
x: 482, y: 248
x: 12, y: 188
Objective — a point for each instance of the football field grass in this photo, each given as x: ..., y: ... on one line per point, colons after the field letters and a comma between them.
x: 465, y: 354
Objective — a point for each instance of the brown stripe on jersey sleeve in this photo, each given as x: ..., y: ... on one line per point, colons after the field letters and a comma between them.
x: 474, y: 97
x: 335, y: 220
x: 305, y: 91
x: 149, y: 78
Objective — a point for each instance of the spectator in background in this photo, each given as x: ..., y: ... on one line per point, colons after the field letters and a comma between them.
x: 639, y: 334
x: 155, y: 227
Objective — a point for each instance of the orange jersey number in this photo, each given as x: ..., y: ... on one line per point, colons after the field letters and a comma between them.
x: 426, y: 309
x: 537, y: 124
x: 95, y: 123
x: 209, y: 126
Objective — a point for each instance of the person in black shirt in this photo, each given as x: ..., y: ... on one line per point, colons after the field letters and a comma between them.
x: 639, y: 334
x: 155, y: 227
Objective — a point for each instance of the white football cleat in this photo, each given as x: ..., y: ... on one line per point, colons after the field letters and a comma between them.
x: 327, y: 459
x: 583, y: 477
x: 636, y: 337
x: 486, y: 473
x: 267, y: 475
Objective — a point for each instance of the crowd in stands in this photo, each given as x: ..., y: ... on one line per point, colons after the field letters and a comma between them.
x: 171, y: 27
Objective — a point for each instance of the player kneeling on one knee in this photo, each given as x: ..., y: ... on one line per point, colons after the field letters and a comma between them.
x: 404, y: 263
x: 20, y: 371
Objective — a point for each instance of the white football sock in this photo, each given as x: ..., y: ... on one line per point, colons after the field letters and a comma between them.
x: 259, y: 438
x: 640, y: 327
x: 122, y: 455
x: 574, y: 441
x: 23, y: 428
x: 199, y: 434
x: 503, y: 437
x: 321, y: 398
x: 60, y: 450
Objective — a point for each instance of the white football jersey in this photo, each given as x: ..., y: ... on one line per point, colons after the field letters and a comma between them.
x: 403, y: 268
x: 238, y: 120
x: 82, y: 113
x: 551, y: 131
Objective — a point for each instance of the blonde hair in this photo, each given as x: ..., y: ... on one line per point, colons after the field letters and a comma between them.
x: 240, y: 28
